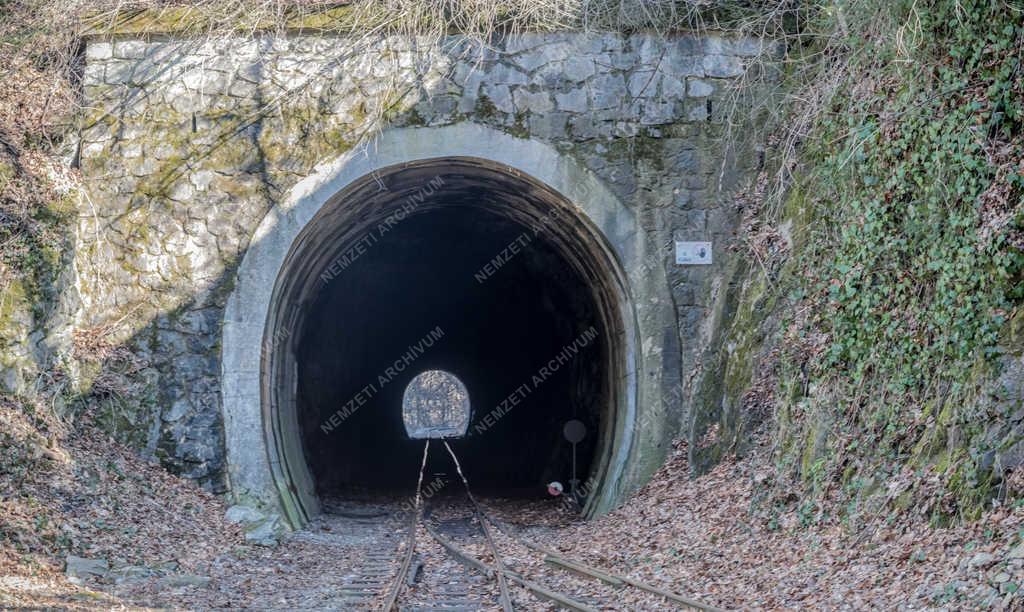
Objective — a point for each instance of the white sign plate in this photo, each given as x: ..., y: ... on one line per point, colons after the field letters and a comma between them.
x: 693, y: 253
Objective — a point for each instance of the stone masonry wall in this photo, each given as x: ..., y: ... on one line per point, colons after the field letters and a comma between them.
x: 188, y: 143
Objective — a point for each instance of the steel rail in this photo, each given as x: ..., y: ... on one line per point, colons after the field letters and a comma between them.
x: 391, y: 603
x: 500, y: 572
x: 538, y: 590
x: 505, y: 600
x: 554, y: 558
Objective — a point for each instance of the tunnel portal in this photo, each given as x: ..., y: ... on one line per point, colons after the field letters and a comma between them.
x: 455, y: 265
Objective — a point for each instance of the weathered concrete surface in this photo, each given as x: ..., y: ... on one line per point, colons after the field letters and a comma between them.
x: 191, y: 146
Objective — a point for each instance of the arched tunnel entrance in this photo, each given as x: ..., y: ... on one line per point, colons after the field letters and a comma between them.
x: 454, y: 264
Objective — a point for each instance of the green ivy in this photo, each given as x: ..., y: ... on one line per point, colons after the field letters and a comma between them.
x: 909, y: 288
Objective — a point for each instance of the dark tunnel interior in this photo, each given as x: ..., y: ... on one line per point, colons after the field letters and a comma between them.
x: 524, y: 336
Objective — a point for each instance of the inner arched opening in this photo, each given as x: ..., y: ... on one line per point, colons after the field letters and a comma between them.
x: 449, y: 265
x: 522, y: 339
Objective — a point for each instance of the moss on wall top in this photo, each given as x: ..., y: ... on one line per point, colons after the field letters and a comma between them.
x: 480, y: 19
x: 187, y: 20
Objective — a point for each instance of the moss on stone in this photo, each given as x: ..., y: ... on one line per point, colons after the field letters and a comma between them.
x: 484, y: 109
x: 186, y: 20
x: 642, y: 147
x: 124, y: 419
x: 413, y: 118
x: 1011, y: 336
x: 13, y: 305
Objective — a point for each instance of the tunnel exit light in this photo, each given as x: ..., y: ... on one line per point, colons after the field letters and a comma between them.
x: 435, y: 405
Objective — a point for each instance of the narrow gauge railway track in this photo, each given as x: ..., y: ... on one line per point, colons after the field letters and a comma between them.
x: 458, y: 539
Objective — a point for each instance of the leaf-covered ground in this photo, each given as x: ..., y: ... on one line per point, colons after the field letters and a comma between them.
x: 67, y: 489
x: 728, y: 538
x: 707, y: 539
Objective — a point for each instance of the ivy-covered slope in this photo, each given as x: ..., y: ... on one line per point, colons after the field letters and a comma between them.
x: 879, y: 315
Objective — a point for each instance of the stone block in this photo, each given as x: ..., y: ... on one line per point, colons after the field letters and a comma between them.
x: 578, y: 69
x: 697, y: 88
x: 93, y: 150
x: 118, y: 73
x: 723, y: 66
x: 95, y: 51
x: 505, y: 74
x: 130, y: 49
x: 93, y: 76
x: 79, y: 569
x: 684, y: 294
x: 651, y: 51
x: 245, y: 515
x: 672, y: 88
x: 200, y: 179
x: 523, y: 42
x: 619, y: 59
x: 589, y: 44
x: 657, y: 112
x: 550, y: 126
x: 688, y: 44
x: 264, y: 533
x: 532, y: 102
x: 586, y: 127
x: 528, y: 62
x: 683, y: 66
x: 574, y: 101
x: 607, y: 91
x: 642, y: 83
x: 181, y: 191
x: 697, y: 112
x: 178, y: 409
